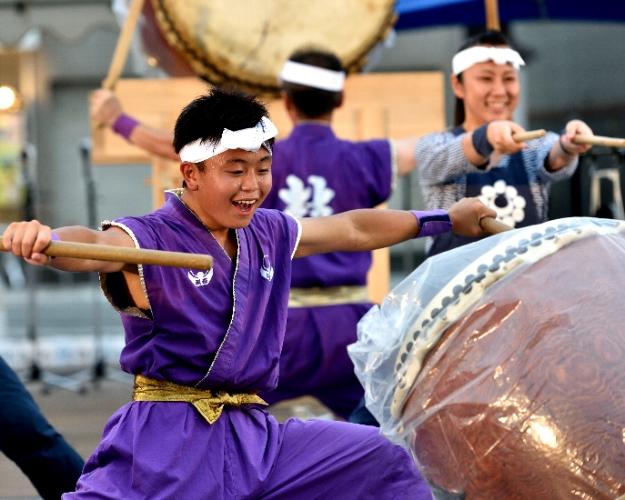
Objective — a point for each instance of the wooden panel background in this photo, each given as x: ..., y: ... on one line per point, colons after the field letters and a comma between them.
x: 396, y: 105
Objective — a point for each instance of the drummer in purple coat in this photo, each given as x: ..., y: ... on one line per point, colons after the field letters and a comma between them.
x: 314, y: 174
x: 203, y: 344
x: 317, y: 174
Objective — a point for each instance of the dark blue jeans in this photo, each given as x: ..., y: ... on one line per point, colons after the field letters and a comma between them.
x: 31, y: 442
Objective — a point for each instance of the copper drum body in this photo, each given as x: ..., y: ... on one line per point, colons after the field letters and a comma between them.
x: 244, y: 44
x: 523, y: 394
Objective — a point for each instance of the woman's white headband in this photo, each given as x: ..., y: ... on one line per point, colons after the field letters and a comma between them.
x: 473, y: 55
x: 249, y: 139
x: 312, y: 76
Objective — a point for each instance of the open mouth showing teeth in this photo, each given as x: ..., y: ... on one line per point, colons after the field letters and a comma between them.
x: 244, y: 205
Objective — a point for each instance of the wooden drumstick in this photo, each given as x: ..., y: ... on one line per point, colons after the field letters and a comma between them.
x: 528, y: 135
x: 117, y: 65
x: 123, y: 44
x: 128, y: 255
x: 492, y: 15
x: 493, y: 226
x: 597, y: 140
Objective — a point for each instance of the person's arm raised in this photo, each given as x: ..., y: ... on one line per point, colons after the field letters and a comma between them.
x: 28, y: 240
x: 405, y: 155
x: 106, y: 109
x: 369, y: 229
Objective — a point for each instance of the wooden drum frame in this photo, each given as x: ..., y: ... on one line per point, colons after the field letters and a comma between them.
x: 245, y: 44
x: 508, y: 381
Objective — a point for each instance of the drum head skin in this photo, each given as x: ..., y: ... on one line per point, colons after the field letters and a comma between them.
x: 245, y: 43
x: 509, y: 382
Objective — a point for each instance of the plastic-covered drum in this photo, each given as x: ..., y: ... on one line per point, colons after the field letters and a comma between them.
x: 501, y: 364
x: 245, y: 43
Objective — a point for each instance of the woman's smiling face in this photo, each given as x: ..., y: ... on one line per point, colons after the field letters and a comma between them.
x: 490, y: 92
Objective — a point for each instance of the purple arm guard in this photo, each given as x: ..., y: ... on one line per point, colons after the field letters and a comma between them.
x: 54, y: 237
x: 124, y: 125
x: 432, y: 222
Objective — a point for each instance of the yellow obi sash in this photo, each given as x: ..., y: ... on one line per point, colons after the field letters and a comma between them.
x: 209, y: 404
x: 318, y: 296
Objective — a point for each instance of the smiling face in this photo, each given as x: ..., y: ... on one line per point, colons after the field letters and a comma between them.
x: 490, y: 92
x: 229, y: 189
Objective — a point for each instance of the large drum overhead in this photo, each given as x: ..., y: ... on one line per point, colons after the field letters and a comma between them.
x: 245, y: 43
x: 499, y: 364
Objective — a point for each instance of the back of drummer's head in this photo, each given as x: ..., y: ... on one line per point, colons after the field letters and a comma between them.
x: 491, y: 38
x: 207, y: 116
x: 312, y: 102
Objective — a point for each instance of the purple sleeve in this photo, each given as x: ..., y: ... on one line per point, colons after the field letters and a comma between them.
x: 294, y: 230
x: 138, y: 229
x: 113, y: 284
x: 376, y: 169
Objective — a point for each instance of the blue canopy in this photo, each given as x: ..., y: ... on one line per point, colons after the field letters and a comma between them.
x: 424, y: 13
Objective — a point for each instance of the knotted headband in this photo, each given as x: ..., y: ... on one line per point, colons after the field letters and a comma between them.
x: 473, y: 55
x: 312, y: 76
x: 249, y: 139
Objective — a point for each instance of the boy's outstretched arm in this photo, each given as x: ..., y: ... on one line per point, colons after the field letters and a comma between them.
x: 28, y: 239
x: 368, y: 229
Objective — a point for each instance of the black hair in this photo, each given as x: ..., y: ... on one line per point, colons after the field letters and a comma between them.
x: 492, y: 38
x: 207, y: 116
x: 312, y: 102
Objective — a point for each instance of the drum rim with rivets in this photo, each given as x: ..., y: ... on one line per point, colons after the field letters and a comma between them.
x: 467, y: 287
x: 228, y: 53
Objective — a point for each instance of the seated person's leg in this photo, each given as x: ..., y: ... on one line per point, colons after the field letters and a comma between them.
x: 31, y: 442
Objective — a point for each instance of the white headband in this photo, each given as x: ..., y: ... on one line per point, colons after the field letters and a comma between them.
x: 249, y: 139
x: 473, y: 55
x: 312, y: 76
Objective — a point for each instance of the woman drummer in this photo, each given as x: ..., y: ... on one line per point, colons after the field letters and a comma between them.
x: 478, y: 156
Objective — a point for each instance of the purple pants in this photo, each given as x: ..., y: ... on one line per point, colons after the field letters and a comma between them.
x: 166, y: 450
x: 314, y: 358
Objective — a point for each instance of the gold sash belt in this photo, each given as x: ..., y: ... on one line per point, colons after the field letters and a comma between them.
x: 210, y: 404
x: 318, y: 296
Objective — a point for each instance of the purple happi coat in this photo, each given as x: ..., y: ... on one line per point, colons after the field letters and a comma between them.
x: 315, y: 174
x: 223, y: 330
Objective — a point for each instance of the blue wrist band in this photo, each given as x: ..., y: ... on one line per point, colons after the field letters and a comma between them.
x: 480, y: 141
x: 432, y: 222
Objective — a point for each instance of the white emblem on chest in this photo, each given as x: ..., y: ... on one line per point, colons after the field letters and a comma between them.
x: 303, y: 201
x: 505, y: 200
x: 266, y: 270
x: 200, y: 278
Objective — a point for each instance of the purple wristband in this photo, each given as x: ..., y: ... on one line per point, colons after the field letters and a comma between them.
x: 432, y: 222
x: 54, y: 237
x: 124, y: 125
